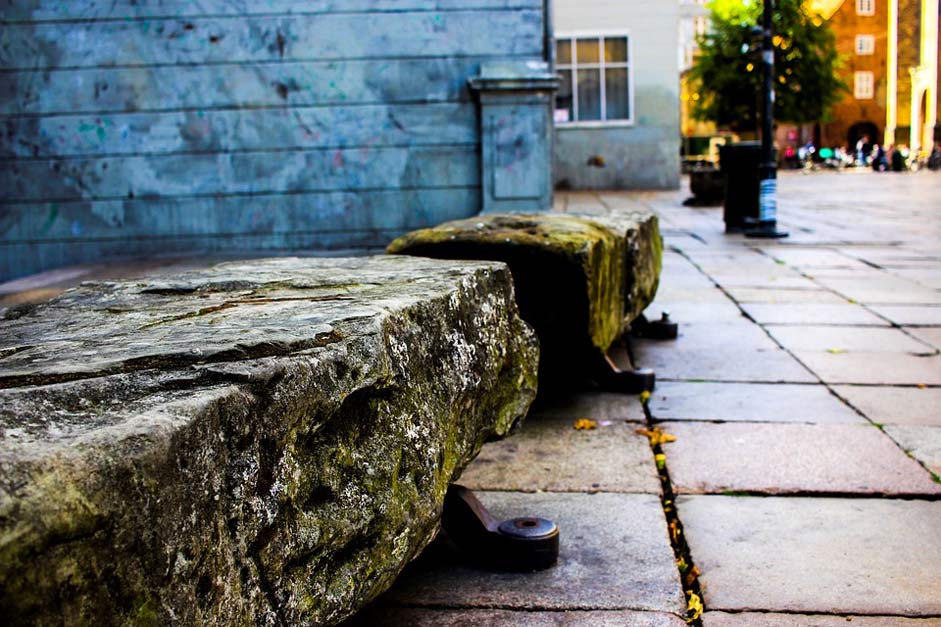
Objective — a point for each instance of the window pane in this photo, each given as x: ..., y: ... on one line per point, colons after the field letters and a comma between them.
x: 615, y: 50
x: 564, y: 111
x: 616, y: 94
x: 589, y: 95
x: 563, y: 51
x: 587, y: 51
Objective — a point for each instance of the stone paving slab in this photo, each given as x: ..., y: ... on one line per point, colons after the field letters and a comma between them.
x: 864, y: 556
x: 729, y: 364
x: 735, y: 333
x: 751, y: 402
x: 910, y: 315
x: 789, y: 458
x: 788, y: 279
x: 873, y: 368
x: 812, y: 314
x: 778, y: 296
x: 551, y: 456
x: 883, y: 290
x: 930, y: 335
x: 591, y: 404
x: 895, y: 405
x: 924, y: 443
x: 826, y: 338
x: 384, y: 616
x: 615, y: 554
x: 724, y: 619
x: 812, y: 257
x: 686, y: 312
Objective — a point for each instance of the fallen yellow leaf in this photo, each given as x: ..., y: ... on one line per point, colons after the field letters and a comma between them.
x: 675, y: 531
x: 644, y: 396
x: 691, y: 575
x: 682, y: 565
x: 921, y: 386
x: 693, y: 607
x: 657, y: 436
x: 836, y: 351
x: 661, y: 460
x: 585, y: 424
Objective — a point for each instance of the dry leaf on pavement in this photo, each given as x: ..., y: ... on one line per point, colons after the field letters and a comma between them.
x: 585, y: 424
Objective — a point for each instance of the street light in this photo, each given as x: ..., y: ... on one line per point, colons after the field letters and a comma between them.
x: 767, y: 224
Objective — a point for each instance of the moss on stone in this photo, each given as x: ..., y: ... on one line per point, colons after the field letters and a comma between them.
x: 269, y: 479
x: 579, y: 280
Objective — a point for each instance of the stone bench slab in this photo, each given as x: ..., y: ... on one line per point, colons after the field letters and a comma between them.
x: 580, y: 280
x: 262, y: 443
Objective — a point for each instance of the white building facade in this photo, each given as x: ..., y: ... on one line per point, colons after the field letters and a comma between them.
x: 617, y: 112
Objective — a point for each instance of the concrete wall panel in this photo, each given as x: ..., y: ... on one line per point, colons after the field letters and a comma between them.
x: 172, y: 126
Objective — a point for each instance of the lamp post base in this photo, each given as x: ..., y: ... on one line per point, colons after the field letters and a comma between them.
x: 765, y: 230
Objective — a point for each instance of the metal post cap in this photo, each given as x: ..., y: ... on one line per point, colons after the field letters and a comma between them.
x: 528, y: 528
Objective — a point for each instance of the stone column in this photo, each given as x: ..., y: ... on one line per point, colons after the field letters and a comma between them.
x: 516, y: 129
x: 892, y: 74
x: 929, y: 61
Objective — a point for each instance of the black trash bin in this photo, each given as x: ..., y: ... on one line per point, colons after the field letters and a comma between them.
x: 739, y: 165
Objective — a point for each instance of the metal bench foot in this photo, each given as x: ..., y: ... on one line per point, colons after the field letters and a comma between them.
x: 613, y: 379
x: 662, y: 329
x: 518, y: 544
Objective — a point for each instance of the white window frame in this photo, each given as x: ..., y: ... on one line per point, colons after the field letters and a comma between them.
x: 864, y: 85
x: 865, y: 7
x: 865, y: 44
x: 573, y: 67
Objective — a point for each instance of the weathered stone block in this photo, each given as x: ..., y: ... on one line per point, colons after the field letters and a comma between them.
x: 580, y: 280
x: 260, y: 443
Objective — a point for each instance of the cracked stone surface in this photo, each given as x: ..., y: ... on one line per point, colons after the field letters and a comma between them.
x: 790, y: 458
x: 833, y: 556
x: 748, y: 402
x: 260, y: 443
x: 614, y: 554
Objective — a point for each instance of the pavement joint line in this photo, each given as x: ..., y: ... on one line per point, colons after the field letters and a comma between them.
x: 828, y: 386
x: 866, y: 306
x: 822, y: 494
x: 689, y: 578
x: 532, y: 609
x: 846, y: 615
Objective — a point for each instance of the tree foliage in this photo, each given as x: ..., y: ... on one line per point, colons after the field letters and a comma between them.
x: 727, y: 76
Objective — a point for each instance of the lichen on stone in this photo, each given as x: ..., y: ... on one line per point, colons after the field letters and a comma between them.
x: 265, y: 454
x: 580, y: 280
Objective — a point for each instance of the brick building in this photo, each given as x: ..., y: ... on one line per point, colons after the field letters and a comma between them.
x: 890, y: 51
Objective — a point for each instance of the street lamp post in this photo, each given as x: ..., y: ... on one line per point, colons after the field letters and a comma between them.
x: 767, y: 225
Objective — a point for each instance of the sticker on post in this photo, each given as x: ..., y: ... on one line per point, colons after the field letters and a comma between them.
x: 768, y: 200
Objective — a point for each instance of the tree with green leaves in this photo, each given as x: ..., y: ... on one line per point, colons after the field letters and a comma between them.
x: 726, y: 79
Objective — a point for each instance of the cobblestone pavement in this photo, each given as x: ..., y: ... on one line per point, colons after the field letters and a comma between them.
x: 804, y: 393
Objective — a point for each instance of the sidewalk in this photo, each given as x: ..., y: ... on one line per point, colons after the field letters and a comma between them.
x: 804, y: 394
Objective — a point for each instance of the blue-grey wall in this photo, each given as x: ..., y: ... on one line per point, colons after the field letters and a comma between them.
x: 180, y: 126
